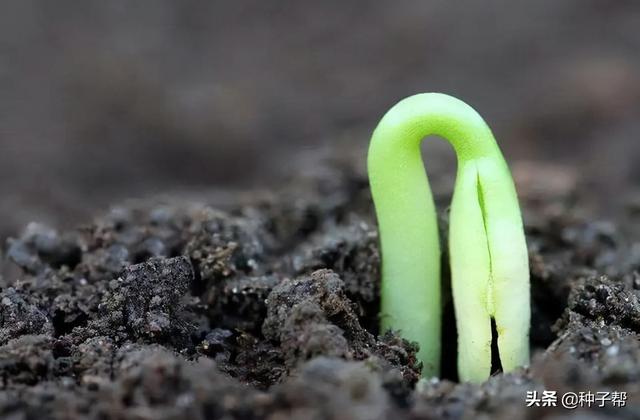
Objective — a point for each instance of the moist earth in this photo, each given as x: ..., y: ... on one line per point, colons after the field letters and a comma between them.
x: 266, y: 308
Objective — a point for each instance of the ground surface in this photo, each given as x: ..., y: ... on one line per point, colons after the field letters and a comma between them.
x: 264, y: 306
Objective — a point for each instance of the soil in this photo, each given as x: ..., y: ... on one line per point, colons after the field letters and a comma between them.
x: 265, y: 306
x: 222, y: 302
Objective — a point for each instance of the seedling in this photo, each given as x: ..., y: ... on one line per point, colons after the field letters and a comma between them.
x: 488, y: 253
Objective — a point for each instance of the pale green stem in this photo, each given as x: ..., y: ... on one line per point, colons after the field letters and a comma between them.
x: 490, y: 276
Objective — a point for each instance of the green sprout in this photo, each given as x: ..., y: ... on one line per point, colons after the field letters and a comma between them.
x: 487, y: 248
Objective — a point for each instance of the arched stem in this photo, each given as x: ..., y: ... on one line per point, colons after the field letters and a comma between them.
x: 484, y: 213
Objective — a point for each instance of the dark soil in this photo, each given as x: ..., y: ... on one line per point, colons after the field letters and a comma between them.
x: 267, y: 308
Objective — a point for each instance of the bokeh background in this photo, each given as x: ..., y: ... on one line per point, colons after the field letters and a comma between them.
x: 101, y: 101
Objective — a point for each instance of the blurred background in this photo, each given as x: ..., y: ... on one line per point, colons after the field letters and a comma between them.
x: 106, y: 100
